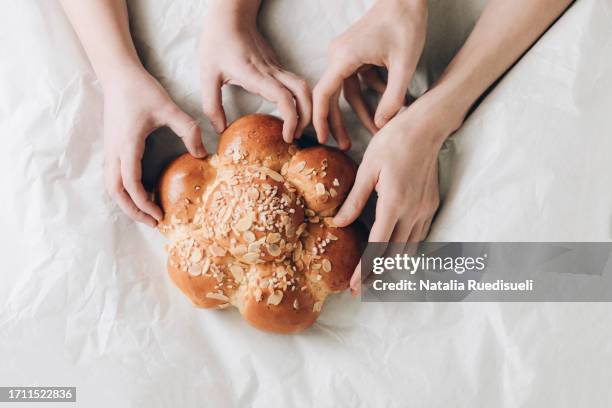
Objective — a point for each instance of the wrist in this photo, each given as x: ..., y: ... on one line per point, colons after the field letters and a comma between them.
x: 439, y: 112
x: 121, y: 74
x: 234, y: 11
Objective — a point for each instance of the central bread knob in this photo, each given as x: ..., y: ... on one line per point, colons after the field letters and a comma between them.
x: 254, y: 215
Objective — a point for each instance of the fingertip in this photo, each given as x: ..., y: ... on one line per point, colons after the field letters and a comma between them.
x: 381, y: 120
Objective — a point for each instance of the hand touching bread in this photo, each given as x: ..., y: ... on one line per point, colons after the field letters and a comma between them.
x: 390, y: 35
x: 233, y: 52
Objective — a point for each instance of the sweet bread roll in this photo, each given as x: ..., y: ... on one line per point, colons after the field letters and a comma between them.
x: 251, y: 226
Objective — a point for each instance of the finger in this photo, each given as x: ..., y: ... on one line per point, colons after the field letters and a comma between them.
x: 353, y: 95
x: 323, y: 95
x: 271, y: 89
x: 365, y: 181
x: 373, y: 81
x: 186, y: 128
x: 381, y: 232
x: 337, y: 124
x: 384, y: 224
x: 402, y: 231
x: 114, y: 186
x: 424, y: 230
x: 395, y: 94
x: 212, y: 102
x: 131, y: 173
x: 302, y: 95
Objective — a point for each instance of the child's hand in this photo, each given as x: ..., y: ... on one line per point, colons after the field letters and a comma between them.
x: 390, y: 35
x: 401, y: 164
x: 233, y: 52
x: 134, y: 106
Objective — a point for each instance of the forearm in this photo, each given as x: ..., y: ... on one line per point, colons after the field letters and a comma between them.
x: 235, y: 10
x: 103, y: 28
x: 505, y: 30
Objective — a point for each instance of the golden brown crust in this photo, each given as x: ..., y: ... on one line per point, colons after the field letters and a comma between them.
x: 255, y: 139
x: 180, y: 190
x: 250, y: 227
x: 335, y: 253
x: 323, y: 176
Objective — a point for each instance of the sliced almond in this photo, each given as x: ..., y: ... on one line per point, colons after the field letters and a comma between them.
x: 253, y: 193
x: 272, y: 174
x: 273, y: 238
x: 333, y: 192
x: 301, y: 229
x: 326, y: 265
x: 275, y: 298
x: 309, y: 213
x: 206, y: 265
x: 273, y: 249
x: 320, y: 188
x: 317, y: 306
x: 254, y: 247
x: 329, y: 221
x: 336, y: 183
x: 217, y: 296
x: 296, y: 304
x: 195, y: 270
x: 239, y: 250
x: 284, y: 169
x: 300, y: 166
x: 216, y: 250
x: 244, y: 224
x: 332, y: 237
x: 237, y: 272
x: 196, y: 255
x: 248, y: 236
x: 251, y: 257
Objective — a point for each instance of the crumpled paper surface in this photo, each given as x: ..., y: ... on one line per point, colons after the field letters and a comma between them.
x: 84, y: 296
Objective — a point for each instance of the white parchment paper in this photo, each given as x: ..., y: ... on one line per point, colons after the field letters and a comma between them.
x: 84, y: 296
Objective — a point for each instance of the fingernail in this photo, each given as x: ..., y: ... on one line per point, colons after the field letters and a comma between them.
x: 201, y: 152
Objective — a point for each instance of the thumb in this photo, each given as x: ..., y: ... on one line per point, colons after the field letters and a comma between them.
x: 395, y: 94
x: 187, y: 129
x: 365, y: 182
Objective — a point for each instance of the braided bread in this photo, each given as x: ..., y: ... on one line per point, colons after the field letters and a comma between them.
x: 251, y: 226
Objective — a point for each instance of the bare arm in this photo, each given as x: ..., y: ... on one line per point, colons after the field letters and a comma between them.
x: 505, y: 30
x: 135, y: 104
x: 406, y: 179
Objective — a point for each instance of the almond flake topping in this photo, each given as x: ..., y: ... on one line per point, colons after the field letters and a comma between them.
x: 237, y: 271
x: 320, y: 188
x: 217, y: 296
x: 275, y: 298
x: 248, y: 236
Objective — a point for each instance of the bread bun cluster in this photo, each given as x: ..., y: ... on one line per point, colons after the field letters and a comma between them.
x: 251, y: 226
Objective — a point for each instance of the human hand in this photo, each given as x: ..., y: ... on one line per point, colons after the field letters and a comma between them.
x: 134, y: 106
x: 390, y: 35
x: 401, y: 164
x: 233, y: 52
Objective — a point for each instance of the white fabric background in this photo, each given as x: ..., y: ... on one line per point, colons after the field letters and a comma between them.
x: 85, y: 301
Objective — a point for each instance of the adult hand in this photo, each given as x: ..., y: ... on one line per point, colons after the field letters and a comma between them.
x: 401, y: 164
x: 390, y: 35
x: 134, y: 106
x: 233, y: 52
